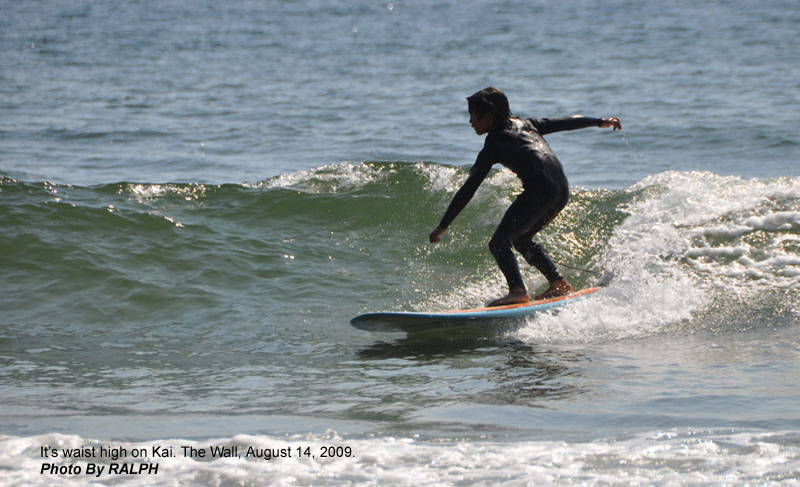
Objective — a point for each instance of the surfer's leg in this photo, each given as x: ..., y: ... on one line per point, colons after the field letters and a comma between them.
x: 536, y: 255
x: 556, y: 289
x: 501, y: 248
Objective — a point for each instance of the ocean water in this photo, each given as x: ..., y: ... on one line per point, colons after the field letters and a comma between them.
x: 196, y: 197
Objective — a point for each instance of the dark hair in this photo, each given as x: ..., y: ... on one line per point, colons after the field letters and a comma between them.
x: 490, y: 100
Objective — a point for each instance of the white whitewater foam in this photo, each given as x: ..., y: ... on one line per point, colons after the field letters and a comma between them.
x: 144, y: 192
x: 450, y: 178
x: 685, y: 457
x: 328, y: 179
x: 665, y: 267
x: 772, y: 263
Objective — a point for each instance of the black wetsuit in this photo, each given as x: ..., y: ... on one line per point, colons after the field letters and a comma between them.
x: 519, y: 146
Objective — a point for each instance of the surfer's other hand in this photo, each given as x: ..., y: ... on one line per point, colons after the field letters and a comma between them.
x: 436, y: 235
x: 611, y: 122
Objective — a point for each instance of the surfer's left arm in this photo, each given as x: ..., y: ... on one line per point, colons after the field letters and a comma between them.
x: 550, y: 125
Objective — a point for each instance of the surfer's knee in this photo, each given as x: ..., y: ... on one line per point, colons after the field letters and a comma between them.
x: 499, y: 244
x: 530, y: 250
x: 522, y: 245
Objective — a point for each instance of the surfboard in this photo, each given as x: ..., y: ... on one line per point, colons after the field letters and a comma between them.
x: 417, y: 322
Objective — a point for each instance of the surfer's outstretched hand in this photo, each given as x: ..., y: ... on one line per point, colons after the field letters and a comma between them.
x: 436, y: 235
x: 611, y: 122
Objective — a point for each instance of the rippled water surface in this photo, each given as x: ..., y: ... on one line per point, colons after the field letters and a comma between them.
x: 195, y: 200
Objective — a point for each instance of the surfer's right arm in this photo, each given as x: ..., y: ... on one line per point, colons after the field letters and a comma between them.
x: 477, y: 174
x: 436, y: 234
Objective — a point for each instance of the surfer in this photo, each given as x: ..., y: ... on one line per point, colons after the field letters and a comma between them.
x: 518, y: 144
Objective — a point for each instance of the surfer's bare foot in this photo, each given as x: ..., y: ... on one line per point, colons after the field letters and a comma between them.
x: 557, y: 289
x: 516, y: 296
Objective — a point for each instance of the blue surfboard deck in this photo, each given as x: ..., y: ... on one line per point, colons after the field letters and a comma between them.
x: 426, y: 321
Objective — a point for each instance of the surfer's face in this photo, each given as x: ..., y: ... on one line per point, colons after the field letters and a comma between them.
x: 481, y: 124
